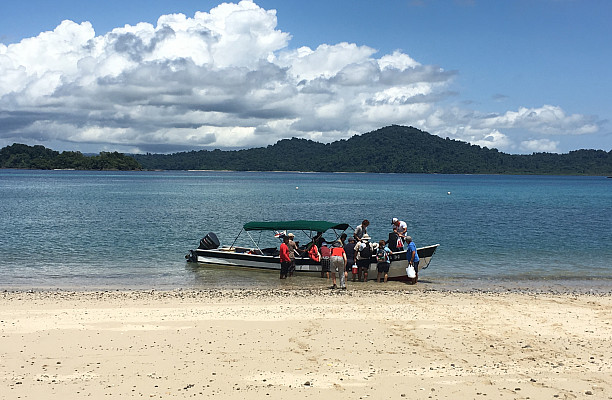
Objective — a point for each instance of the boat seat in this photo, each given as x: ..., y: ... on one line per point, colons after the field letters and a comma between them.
x: 270, y: 251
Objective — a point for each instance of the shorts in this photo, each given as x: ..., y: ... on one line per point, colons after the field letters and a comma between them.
x: 337, y: 264
x: 284, y: 267
x: 363, y: 264
x: 383, y: 267
x: 292, y: 266
x: 325, y: 264
x: 349, y: 264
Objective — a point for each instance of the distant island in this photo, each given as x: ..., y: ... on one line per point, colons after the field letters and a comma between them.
x: 393, y: 149
x: 40, y: 157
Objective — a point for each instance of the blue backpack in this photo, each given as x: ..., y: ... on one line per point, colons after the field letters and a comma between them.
x: 382, y: 256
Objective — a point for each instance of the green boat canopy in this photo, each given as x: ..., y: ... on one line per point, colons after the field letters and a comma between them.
x: 300, y: 225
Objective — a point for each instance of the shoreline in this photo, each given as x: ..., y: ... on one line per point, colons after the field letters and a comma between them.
x: 307, y: 343
x: 316, y: 172
x: 535, y: 286
x: 8, y: 294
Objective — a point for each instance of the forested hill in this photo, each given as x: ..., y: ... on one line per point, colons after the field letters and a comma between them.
x: 40, y: 157
x: 396, y: 149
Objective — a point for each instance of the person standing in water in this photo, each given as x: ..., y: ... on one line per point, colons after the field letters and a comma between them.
x: 364, y: 254
x: 338, y: 264
x: 292, y: 250
x: 383, y: 261
x: 413, y: 258
x: 285, y: 260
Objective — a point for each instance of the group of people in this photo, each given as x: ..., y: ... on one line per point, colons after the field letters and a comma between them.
x: 398, y: 241
x: 354, y: 256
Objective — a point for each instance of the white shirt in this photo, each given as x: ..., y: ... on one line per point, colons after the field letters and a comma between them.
x: 401, y: 229
x: 360, y: 231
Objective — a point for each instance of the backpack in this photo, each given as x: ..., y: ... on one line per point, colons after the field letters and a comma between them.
x: 366, y: 252
x: 381, y: 255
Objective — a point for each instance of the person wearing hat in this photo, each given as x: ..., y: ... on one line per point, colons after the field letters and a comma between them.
x: 364, y: 252
x: 292, y: 250
x: 400, y: 228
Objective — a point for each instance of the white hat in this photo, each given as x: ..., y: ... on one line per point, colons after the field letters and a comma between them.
x: 365, y: 237
x: 394, y: 220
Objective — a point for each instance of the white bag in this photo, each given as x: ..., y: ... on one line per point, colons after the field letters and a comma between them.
x: 411, y: 272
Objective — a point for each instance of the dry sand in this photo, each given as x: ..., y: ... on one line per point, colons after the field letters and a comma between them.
x: 257, y: 344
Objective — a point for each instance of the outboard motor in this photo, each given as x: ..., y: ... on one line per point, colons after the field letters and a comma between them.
x: 209, y: 242
x: 192, y: 256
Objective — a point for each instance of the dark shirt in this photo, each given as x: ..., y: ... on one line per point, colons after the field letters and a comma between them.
x: 349, y: 248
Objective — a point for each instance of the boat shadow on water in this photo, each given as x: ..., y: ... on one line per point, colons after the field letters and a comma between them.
x: 212, y: 276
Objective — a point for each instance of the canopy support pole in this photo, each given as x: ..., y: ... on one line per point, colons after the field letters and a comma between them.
x: 234, y: 242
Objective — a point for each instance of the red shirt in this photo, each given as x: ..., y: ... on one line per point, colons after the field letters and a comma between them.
x: 337, y: 251
x: 284, y: 253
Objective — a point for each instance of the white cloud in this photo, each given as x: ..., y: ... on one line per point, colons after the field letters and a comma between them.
x: 546, y: 120
x: 494, y: 130
x: 227, y: 78
x: 539, y: 146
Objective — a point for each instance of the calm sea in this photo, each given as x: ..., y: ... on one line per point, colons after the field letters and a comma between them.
x: 109, y: 230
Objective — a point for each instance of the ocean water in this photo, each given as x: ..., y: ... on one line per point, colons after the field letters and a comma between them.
x: 123, y: 230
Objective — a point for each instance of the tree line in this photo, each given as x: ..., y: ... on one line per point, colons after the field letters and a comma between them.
x: 40, y: 157
x: 393, y: 149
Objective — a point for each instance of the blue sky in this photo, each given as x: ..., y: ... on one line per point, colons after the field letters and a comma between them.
x: 521, y: 76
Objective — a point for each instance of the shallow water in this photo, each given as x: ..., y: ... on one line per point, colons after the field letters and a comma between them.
x: 84, y: 229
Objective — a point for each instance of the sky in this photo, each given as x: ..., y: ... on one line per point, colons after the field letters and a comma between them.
x: 134, y: 76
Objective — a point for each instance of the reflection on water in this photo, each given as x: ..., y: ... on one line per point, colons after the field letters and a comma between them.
x: 208, y: 276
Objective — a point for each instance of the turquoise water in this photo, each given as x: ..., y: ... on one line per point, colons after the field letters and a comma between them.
x: 92, y: 230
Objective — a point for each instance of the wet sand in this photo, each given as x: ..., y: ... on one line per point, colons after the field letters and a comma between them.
x: 254, y: 344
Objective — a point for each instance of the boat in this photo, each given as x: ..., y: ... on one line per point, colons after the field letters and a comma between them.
x: 211, y: 252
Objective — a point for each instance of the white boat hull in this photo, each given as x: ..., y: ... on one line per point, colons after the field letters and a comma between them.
x: 244, y: 258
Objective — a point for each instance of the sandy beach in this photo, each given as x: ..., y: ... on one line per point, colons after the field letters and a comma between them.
x: 287, y: 344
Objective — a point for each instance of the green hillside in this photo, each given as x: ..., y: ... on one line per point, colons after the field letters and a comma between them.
x: 395, y: 149
x: 39, y: 157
